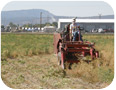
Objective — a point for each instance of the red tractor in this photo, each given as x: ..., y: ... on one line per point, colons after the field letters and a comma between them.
x: 71, y: 51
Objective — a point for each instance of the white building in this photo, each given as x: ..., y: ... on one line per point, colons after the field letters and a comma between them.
x: 49, y: 29
x: 88, y: 24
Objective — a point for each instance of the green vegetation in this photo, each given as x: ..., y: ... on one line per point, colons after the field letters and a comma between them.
x: 38, y: 25
x: 11, y: 24
x: 13, y: 45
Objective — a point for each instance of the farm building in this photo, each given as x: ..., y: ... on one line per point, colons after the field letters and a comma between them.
x: 89, y: 24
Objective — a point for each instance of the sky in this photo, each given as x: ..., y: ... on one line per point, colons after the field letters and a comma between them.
x: 64, y: 8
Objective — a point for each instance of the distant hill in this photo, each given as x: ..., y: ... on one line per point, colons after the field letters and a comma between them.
x: 26, y: 16
x: 33, y: 16
x: 97, y: 17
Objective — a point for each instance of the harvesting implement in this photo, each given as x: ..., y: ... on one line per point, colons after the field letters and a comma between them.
x: 72, y: 51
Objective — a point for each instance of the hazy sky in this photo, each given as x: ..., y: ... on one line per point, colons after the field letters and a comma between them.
x: 64, y: 8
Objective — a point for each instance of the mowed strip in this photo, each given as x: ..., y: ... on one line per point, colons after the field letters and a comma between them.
x: 39, y: 72
x: 26, y: 72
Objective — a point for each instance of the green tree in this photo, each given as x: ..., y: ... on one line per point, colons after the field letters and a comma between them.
x: 12, y: 24
x: 55, y: 24
x: 27, y: 25
x: 2, y: 26
x: 47, y: 24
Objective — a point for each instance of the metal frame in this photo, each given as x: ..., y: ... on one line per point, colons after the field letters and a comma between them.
x: 66, y: 47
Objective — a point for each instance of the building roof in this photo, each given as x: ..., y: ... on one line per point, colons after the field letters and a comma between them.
x: 88, y: 20
x: 49, y: 27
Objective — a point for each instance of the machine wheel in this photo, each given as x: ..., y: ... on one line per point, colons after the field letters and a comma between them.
x: 59, y: 58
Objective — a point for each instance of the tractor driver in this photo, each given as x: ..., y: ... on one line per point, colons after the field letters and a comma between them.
x: 74, y: 31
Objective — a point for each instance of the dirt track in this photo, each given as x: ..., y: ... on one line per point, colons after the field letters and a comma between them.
x: 41, y: 72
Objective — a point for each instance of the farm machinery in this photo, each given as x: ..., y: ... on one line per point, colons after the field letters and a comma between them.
x: 72, y: 51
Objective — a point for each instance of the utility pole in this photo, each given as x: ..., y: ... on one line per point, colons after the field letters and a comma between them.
x: 40, y: 20
x: 99, y: 16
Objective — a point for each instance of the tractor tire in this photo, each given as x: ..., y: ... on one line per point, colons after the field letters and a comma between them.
x: 59, y: 58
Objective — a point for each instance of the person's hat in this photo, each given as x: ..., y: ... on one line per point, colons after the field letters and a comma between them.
x: 74, y: 19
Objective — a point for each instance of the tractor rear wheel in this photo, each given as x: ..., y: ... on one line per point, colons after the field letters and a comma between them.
x: 59, y: 58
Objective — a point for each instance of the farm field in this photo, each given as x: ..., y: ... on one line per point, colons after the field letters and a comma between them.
x: 28, y: 61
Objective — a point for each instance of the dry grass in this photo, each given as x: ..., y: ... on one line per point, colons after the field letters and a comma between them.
x: 39, y: 72
x: 101, y: 69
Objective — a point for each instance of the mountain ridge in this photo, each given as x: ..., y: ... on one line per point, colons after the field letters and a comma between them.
x: 32, y: 16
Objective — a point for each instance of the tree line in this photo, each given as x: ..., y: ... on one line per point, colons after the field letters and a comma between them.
x: 11, y: 24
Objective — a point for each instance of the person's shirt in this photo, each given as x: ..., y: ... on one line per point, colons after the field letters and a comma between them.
x: 73, y: 27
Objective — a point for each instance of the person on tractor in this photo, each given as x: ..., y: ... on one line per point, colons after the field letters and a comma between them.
x: 74, y: 31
